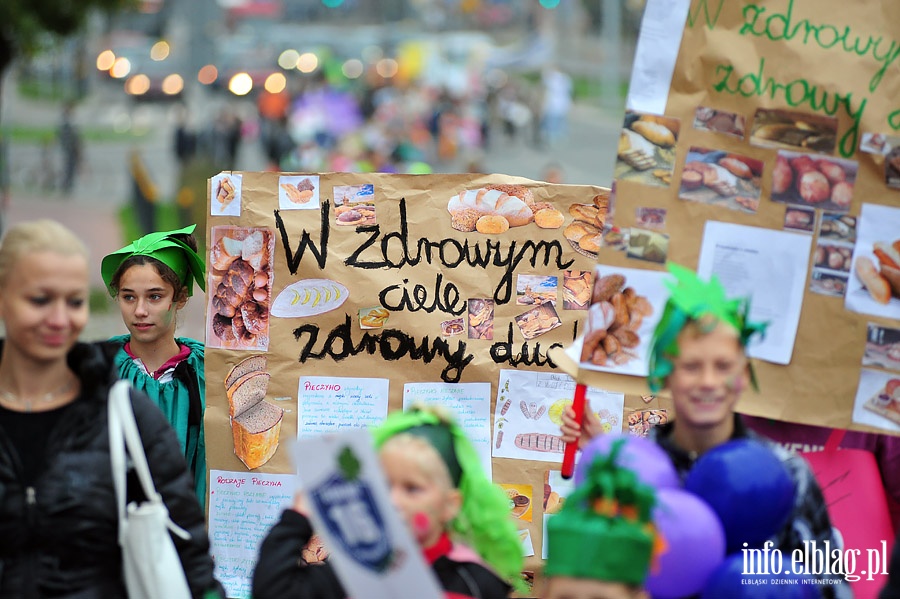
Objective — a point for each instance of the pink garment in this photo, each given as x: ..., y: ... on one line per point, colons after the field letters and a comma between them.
x: 804, y: 438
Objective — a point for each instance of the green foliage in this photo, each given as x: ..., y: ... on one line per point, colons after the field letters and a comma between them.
x: 99, y: 301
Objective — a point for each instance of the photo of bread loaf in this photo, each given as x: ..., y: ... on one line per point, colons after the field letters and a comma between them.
x: 585, y: 232
x: 719, y: 121
x: 537, y: 321
x: 794, y: 130
x: 646, y: 149
x: 719, y: 178
x: 255, y: 423
x: 239, y: 286
x: 808, y: 180
x: 613, y: 328
x: 577, y: 285
x: 298, y: 192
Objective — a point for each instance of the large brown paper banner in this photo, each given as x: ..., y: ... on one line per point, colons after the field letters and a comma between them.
x: 394, y: 279
x: 780, y: 116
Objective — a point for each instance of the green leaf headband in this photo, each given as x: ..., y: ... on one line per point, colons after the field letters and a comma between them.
x: 693, y: 299
x: 605, y: 529
x: 184, y: 261
x: 484, y: 519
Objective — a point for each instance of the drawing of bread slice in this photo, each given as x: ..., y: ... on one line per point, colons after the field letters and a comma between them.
x: 256, y: 432
x: 246, y: 392
x: 257, y: 363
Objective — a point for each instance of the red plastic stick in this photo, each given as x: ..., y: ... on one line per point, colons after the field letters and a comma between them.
x: 568, y: 465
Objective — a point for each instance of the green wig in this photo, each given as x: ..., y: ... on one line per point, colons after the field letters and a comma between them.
x: 483, y: 521
x: 605, y: 529
x: 693, y: 299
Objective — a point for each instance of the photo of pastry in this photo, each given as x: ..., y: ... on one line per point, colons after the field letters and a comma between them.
x: 373, y: 318
x: 722, y: 179
x: 877, y: 401
x: 837, y: 226
x: 239, y: 287
x: 807, y: 180
x: 796, y: 130
x: 493, y: 209
x: 520, y: 500
x: 828, y: 283
x: 648, y: 245
x: 577, y: 286
x: 481, y: 319
x: 314, y: 551
x: 225, y: 194
x: 585, y: 232
x: 800, y: 218
x: 298, y: 192
x: 625, y: 306
x: 882, y: 347
x: 641, y: 421
x: 354, y: 215
x: 646, y: 152
x: 719, y: 121
x: 537, y: 321
x: 650, y: 218
x: 874, y: 285
x: 534, y: 290
x: 451, y: 328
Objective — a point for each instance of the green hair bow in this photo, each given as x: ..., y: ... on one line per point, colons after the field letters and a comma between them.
x: 693, y: 299
x: 184, y: 261
x: 483, y: 521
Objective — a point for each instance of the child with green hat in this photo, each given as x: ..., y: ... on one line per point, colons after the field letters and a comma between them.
x: 599, y: 546
x: 698, y: 355
x: 459, y: 518
x: 151, y: 280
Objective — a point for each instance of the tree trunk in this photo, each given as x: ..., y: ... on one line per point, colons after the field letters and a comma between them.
x: 6, y: 58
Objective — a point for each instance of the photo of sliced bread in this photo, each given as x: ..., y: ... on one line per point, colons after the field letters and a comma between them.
x: 257, y: 363
x: 246, y: 392
x: 256, y: 432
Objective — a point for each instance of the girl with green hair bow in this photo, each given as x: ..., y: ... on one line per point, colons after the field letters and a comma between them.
x: 458, y: 516
x: 151, y: 280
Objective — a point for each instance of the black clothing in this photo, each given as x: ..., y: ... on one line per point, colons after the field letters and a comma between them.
x: 281, y: 573
x: 60, y: 534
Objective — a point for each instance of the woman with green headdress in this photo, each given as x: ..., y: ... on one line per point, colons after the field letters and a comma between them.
x: 151, y: 280
x: 459, y: 518
x: 698, y: 355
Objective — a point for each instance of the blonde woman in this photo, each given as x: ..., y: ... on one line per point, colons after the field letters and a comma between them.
x: 57, y: 504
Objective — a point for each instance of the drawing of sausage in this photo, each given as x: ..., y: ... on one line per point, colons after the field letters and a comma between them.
x: 505, y: 407
x: 499, y: 439
x: 524, y: 407
x: 540, y: 442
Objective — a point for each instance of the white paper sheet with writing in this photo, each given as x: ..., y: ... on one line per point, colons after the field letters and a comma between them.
x: 768, y: 266
x: 327, y: 404
x: 528, y: 411
x: 470, y: 403
x: 242, y: 508
x: 654, y: 58
x: 370, y: 546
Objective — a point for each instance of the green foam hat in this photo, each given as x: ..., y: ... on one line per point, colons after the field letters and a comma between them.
x: 693, y: 299
x: 184, y: 261
x: 604, y: 530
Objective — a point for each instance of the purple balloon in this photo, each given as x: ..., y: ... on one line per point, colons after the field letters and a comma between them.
x: 644, y: 457
x: 749, y: 489
x: 694, y: 545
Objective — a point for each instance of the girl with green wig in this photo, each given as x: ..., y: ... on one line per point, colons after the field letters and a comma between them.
x: 458, y: 516
x: 151, y: 280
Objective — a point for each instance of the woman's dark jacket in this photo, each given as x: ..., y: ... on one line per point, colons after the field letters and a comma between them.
x: 59, y: 535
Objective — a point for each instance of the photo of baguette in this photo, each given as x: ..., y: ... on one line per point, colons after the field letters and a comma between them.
x: 874, y: 278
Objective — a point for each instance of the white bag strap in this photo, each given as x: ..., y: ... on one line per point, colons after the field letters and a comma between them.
x: 123, y: 432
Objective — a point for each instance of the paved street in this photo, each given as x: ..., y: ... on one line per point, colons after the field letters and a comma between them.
x: 587, y: 155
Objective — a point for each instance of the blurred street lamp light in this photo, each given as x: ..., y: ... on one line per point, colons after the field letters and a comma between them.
x: 288, y: 59
x: 387, y: 67
x: 160, y: 50
x: 307, y: 62
x: 208, y: 74
x: 275, y: 83
x: 352, y: 69
x: 137, y: 85
x: 241, y: 84
x: 121, y: 67
x: 105, y: 60
x: 173, y: 84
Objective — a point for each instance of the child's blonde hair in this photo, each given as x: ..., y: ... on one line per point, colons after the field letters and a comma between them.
x: 423, y: 453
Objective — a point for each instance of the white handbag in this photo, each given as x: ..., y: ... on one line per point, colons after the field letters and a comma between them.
x: 151, y: 566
